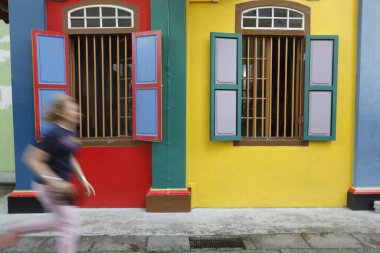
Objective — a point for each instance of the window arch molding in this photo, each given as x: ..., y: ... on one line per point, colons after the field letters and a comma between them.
x: 67, y: 10
x: 242, y: 7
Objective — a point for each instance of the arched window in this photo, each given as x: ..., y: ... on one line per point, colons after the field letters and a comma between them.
x: 107, y: 17
x: 100, y: 41
x: 272, y: 75
x: 100, y: 16
x: 272, y: 18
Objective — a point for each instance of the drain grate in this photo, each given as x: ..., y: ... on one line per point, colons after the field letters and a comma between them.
x: 216, y: 242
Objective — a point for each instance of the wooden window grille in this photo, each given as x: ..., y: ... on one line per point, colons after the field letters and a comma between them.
x: 272, y: 93
x: 101, y: 79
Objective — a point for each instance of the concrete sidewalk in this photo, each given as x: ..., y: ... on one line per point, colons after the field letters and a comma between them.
x: 290, y: 230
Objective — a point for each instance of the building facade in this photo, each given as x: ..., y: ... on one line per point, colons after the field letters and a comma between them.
x: 204, y: 103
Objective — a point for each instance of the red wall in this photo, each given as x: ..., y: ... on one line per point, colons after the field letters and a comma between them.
x: 54, y: 13
x: 121, y: 176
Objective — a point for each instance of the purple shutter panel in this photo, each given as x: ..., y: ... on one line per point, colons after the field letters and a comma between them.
x: 225, y: 84
x: 321, y: 88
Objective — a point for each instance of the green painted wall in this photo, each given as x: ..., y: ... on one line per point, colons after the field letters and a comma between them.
x: 169, y: 156
x: 6, y: 119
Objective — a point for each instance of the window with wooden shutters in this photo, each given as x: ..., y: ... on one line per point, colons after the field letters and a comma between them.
x: 115, y: 74
x: 114, y: 103
x: 273, y: 71
x: 289, y: 79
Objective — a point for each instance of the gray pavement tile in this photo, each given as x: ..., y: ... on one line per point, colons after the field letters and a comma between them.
x: 26, y: 244
x: 332, y: 241
x: 279, y: 241
x: 299, y: 251
x: 168, y: 243
x: 339, y: 251
x: 261, y: 251
x: 221, y: 251
x: 123, y: 251
x: 319, y: 251
x: 48, y: 246
x: 105, y: 243
x: 369, y: 240
x: 368, y: 250
x: 84, y: 245
x: 248, y: 243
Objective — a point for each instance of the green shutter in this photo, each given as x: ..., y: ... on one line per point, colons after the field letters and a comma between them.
x: 321, y: 88
x: 225, y: 82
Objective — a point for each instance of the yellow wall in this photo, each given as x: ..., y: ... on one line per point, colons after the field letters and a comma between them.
x: 222, y: 175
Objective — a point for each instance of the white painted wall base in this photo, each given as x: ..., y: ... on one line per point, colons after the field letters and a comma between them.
x: 7, y: 178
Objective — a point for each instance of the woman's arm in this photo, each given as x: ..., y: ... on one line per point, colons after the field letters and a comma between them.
x: 36, y: 159
x: 78, y: 171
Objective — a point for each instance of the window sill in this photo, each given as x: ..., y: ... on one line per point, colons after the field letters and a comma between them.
x: 109, y: 142
x: 271, y: 142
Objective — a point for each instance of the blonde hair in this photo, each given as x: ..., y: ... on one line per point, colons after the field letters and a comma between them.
x: 57, y: 106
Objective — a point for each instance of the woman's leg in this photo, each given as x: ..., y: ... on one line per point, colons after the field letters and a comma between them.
x: 38, y: 225
x: 68, y: 228
x: 65, y: 220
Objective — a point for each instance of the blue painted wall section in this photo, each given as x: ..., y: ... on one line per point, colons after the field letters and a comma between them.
x: 25, y: 16
x: 367, y: 137
x: 169, y: 156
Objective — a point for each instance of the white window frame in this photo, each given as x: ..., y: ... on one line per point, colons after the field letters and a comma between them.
x: 272, y: 18
x: 100, y: 17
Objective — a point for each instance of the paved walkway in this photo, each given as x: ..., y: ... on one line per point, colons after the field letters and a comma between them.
x: 258, y: 243
x: 270, y: 230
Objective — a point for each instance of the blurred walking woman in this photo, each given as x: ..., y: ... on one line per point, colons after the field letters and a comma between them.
x: 53, y: 163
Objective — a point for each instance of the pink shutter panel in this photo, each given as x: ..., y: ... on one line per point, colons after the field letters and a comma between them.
x: 50, y: 73
x: 146, y: 86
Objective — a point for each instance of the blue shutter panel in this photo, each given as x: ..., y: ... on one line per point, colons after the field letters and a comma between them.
x: 50, y: 70
x: 146, y: 85
x: 225, y: 86
x: 321, y: 88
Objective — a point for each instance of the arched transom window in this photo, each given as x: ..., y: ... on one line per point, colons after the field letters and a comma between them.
x: 100, y: 16
x: 272, y: 18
